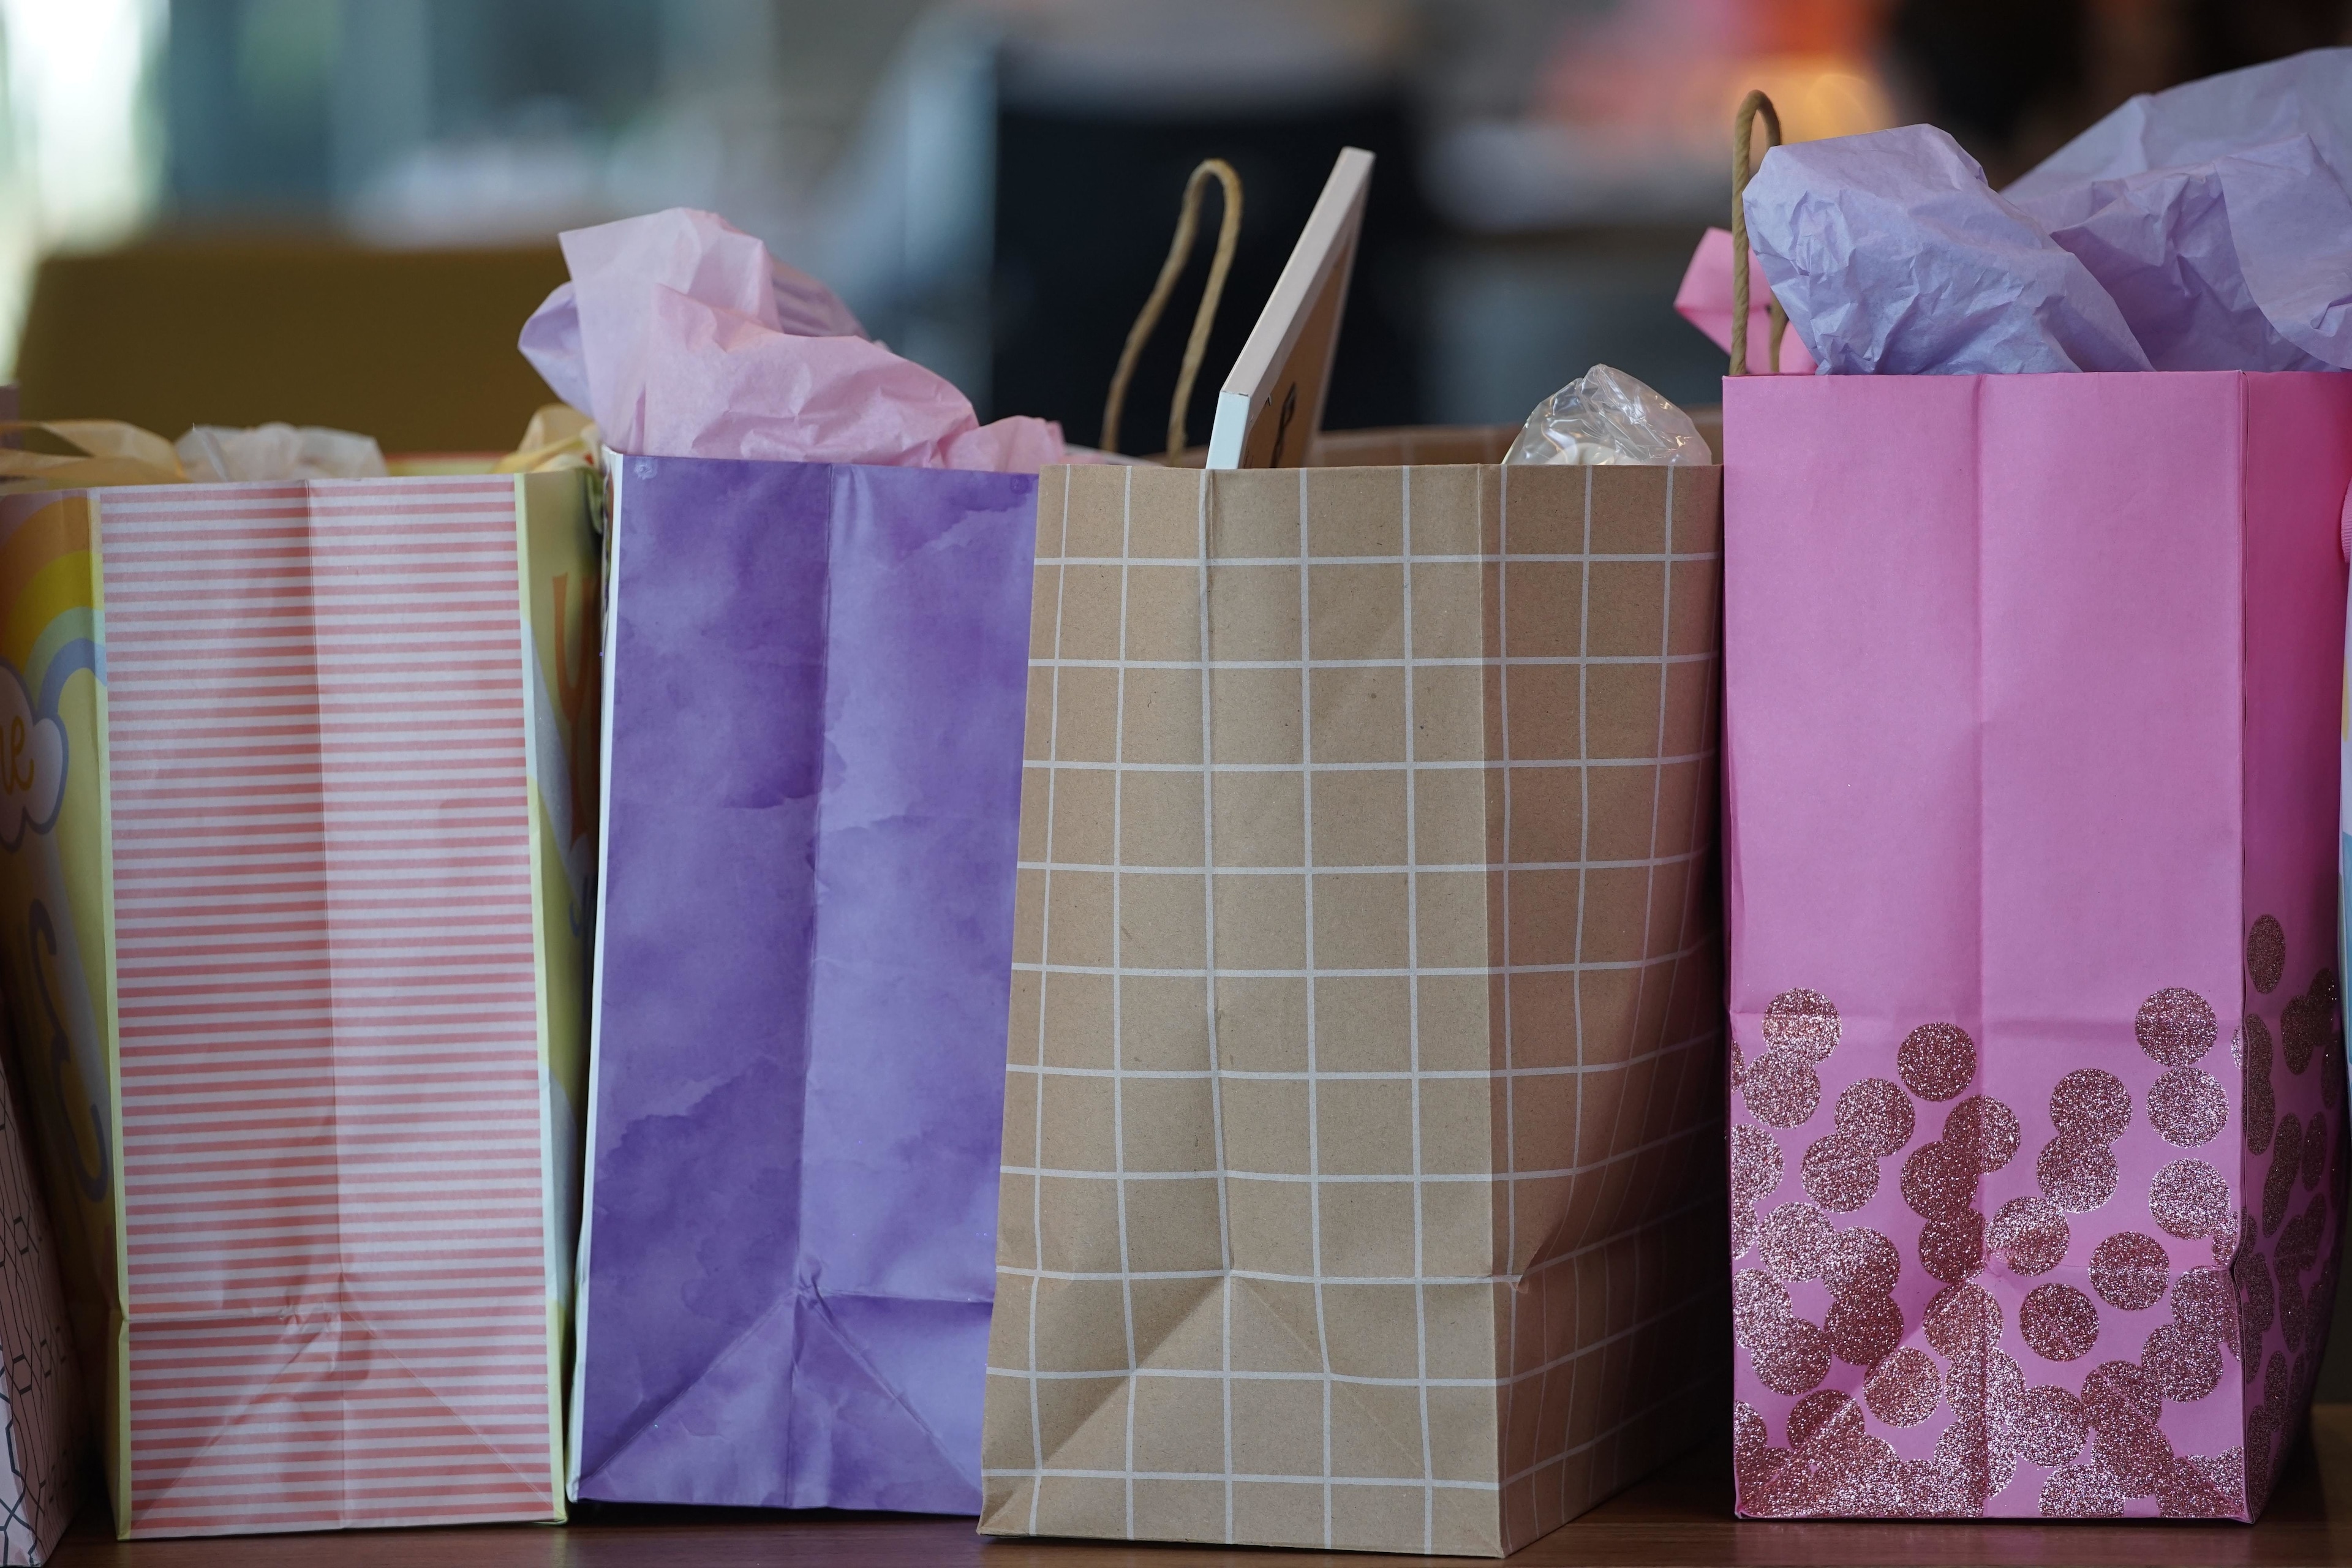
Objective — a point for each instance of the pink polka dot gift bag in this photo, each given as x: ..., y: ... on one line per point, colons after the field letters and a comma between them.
x: 2036, y: 1109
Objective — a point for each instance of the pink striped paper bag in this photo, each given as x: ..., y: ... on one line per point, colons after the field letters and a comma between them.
x: 293, y: 852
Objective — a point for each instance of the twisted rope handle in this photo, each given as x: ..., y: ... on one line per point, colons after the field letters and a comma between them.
x: 1742, y: 132
x: 1180, y: 250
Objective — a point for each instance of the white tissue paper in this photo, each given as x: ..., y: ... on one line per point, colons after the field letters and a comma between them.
x: 212, y: 454
x: 1605, y: 416
x: 1892, y: 256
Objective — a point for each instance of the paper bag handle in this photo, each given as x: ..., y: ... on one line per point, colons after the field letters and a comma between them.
x: 1743, y: 129
x: 112, y: 453
x: 1180, y: 250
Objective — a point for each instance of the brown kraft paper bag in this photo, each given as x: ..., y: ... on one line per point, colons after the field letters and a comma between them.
x: 1363, y: 1121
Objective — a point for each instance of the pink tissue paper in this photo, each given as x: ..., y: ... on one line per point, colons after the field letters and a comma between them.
x: 1705, y: 301
x: 684, y: 338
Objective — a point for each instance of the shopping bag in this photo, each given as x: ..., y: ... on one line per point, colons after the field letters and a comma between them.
x: 294, y: 852
x: 41, y: 1390
x: 803, y: 959
x: 1362, y: 1111
x: 2033, y: 686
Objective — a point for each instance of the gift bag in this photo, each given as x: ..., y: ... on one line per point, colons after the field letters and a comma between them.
x: 293, y: 858
x: 803, y: 957
x: 2033, y: 686
x: 1362, y: 1110
x: 48, y: 1428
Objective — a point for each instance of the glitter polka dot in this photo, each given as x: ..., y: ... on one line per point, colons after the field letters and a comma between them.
x: 1828, y: 1415
x: 2091, y: 1102
x: 1952, y: 1248
x: 1861, y: 1262
x: 1862, y: 1329
x: 2175, y: 1027
x: 2204, y: 1304
x: 2287, y: 1160
x: 1937, y: 1060
x: 1758, y: 1305
x: 2227, y: 1243
x: 2059, y: 1321
x: 1926, y: 1489
x: 2266, y: 954
x: 2082, y: 1491
x: 1841, y: 1174
x: 1793, y: 1357
x: 1939, y: 1179
x: 1805, y: 1021
x: 2119, y: 1394
x: 2135, y: 1454
x: 1985, y: 1128
x: 2189, y: 1198
x: 2130, y: 1270
x: 1749, y: 1436
x: 2190, y: 1491
x: 2257, y: 1307
x: 2260, y: 1110
x: 2183, y: 1365
x: 2049, y: 1429
x: 1755, y: 1162
x: 1793, y: 1241
x: 2315, y: 1150
x: 1876, y: 1114
x: 1962, y: 1317
x: 2076, y: 1173
x: 2303, y: 1030
x: 1781, y: 1088
x: 2187, y: 1106
x: 2030, y: 1233
x: 1903, y: 1388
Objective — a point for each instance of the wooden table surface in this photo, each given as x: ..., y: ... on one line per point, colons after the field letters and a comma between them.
x: 1682, y: 1517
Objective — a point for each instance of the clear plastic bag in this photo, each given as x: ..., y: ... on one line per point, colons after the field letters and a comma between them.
x: 1606, y: 417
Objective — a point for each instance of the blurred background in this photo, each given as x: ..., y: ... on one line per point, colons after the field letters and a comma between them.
x: 340, y: 211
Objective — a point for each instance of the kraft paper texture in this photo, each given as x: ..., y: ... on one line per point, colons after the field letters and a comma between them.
x: 1364, y: 1096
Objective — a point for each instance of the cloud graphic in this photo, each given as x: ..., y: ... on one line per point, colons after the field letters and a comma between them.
x: 32, y: 763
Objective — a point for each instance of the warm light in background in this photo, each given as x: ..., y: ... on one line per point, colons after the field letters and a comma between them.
x: 78, y: 155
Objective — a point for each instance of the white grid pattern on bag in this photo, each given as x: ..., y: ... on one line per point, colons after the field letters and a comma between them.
x: 1218, y: 1075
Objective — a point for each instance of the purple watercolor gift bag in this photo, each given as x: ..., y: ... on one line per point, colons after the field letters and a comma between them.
x: 816, y: 683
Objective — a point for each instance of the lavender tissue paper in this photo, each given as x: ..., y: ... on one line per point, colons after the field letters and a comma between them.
x: 2206, y: 228
x: 1892, y: 256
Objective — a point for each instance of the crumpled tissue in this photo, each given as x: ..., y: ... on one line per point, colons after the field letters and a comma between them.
x: 2216, y: 213
x: 685, y: 338
x: 2213, y: 220
x: 1606, y: 417
x: 1891, y: 255
x: 212, y: 454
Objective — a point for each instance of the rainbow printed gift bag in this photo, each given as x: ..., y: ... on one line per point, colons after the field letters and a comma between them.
x: 298, y: 785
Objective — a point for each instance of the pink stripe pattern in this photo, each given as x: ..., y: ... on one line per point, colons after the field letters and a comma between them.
x: 332, y: 1157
